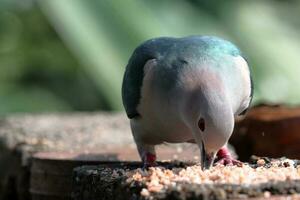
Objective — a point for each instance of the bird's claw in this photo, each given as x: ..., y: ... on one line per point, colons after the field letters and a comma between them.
x: 225, y: 158
x: 229, y: 161
x: 147, y: 165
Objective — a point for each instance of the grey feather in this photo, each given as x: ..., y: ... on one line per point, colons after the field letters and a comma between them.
x: 133, y: 77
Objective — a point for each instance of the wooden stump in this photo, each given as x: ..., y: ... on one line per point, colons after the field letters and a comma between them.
x: 51, y: 173
x: 22, y: 135
x: 268, y: 131
x: 105, y: 182
x: 111, y: 182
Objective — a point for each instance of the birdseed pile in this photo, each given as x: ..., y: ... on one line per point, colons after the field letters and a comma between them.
x: 260, y: 178
x: 159, y: 179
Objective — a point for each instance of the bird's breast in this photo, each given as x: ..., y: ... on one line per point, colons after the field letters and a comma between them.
x: 160, y: 112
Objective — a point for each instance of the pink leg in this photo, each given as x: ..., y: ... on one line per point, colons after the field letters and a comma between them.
x: 146, y: 151
x: 147, y: 154
x: 149, y: 159
x: 225, y: 158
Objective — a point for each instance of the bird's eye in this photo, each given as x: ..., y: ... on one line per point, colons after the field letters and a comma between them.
x: 201, y: 124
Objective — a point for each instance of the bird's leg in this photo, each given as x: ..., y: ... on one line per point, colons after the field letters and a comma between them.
x: 149, y: 159
x: 146, y: 151
x: 147, y: 154
x: 224, y: 157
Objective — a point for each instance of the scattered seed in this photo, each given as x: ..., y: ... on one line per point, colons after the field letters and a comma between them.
x: 261, y: 162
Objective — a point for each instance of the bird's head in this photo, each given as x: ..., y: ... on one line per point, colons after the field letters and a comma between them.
x: 215, y: 122
x: 215, y: 127
x: 211, y: 116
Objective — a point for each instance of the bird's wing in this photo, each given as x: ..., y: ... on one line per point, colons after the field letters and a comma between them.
x: 134, y: 73
x: 251, y: 91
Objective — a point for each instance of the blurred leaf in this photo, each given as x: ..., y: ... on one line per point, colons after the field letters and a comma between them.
x: 101, y: 34
x: 16, y: 99
x: 273, y: 47
x: 78, y: 28
x: 104, y: 33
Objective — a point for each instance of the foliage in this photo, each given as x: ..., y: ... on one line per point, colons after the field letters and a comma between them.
x: 70, y: 55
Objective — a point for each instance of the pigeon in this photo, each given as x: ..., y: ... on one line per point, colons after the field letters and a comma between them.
x: 187, y: 89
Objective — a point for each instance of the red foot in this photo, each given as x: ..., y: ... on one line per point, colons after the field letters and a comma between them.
x: 149, y: 160
x: 224, y: 157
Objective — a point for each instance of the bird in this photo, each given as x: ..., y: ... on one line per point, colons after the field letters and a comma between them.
x: 189, y: 89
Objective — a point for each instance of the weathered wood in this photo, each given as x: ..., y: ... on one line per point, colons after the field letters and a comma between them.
x: 109, y: 182
x: 106, y: 182
x: 51, y: 173
x: 272, y: 131
x: 107, y: 134
x: 23, y: 135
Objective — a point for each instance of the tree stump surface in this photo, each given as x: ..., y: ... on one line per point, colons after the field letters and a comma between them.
x: 272, y: 131
x: 72, y: 137
x: 22, y: 135
x: 111, y: 182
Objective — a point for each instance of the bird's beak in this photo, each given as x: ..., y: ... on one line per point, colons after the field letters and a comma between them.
x: 206, y: 159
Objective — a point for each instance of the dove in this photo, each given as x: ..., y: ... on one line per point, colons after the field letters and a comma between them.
x: 187, y: 89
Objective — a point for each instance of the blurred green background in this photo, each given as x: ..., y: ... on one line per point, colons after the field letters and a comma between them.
x: 65, y: 55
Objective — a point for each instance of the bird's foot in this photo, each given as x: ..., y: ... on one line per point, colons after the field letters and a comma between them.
x: 229, y: 161
x: 149, y: 160
x: 225, y: 158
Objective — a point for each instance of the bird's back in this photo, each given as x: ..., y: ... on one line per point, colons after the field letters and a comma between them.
x: 176, y: 58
